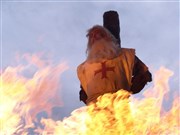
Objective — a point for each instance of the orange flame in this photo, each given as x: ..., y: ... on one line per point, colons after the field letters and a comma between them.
x: 22, y: 98
x: 118, y: 115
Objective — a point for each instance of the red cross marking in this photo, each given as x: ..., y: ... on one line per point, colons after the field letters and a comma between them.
x: 104, y: 70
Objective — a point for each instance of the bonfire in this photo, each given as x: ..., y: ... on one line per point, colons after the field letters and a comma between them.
x: 23, y: 96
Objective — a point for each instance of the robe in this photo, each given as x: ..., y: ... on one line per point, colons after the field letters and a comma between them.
x: 108, y: 75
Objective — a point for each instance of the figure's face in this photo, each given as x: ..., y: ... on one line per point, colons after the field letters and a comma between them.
x: 96, y: 34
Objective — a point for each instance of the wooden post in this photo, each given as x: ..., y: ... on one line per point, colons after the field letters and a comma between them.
x: 111, y: 22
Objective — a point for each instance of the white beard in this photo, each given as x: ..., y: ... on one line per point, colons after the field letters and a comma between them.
x: 102, y: 50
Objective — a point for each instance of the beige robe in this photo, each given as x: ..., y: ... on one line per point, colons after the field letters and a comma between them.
x: 98, y: 78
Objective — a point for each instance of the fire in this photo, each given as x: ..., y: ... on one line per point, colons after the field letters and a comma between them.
x: 119, y: 115
x: 23, y: 96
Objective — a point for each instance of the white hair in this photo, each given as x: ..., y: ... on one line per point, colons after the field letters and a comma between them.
x: 101, y: 44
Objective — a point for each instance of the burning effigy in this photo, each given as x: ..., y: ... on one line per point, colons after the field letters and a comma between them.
x: 109, y: 67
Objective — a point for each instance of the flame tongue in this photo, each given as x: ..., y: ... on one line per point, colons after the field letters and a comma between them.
x: 148, y: 110
x: 110, y: 115
x: 118, y: 115
x: 23, y: 97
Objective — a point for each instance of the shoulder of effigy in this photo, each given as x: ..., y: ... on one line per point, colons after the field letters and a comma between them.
x: 86, y: 64
x: 80, y: 66
x: 126, y: 49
